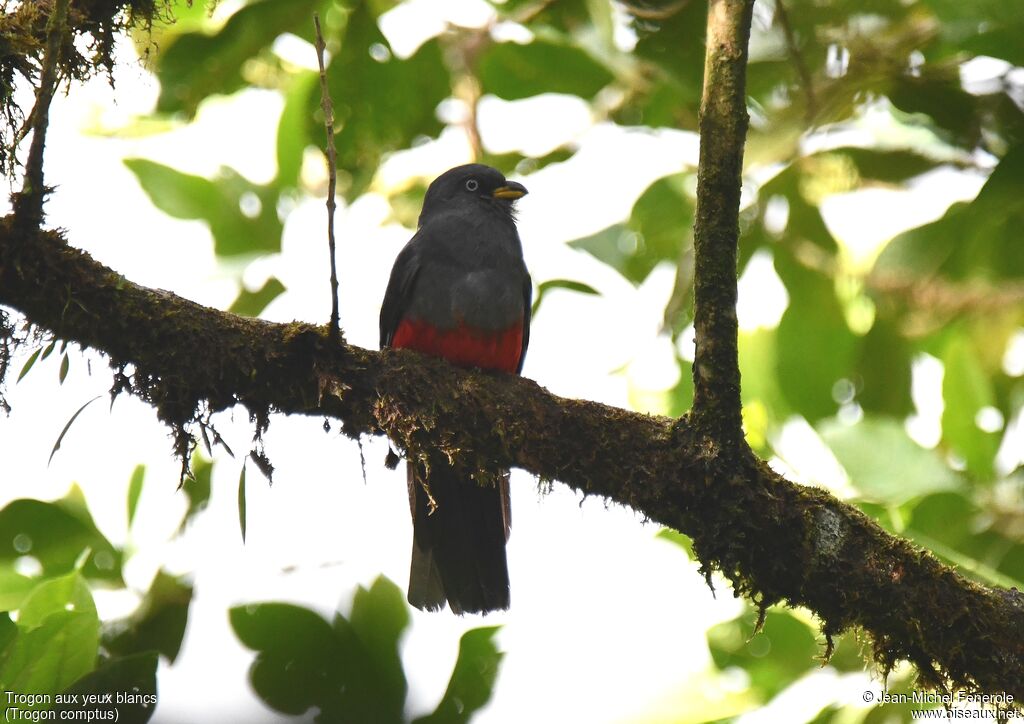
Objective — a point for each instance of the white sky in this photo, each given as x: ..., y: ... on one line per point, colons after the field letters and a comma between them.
x: 607, y: 621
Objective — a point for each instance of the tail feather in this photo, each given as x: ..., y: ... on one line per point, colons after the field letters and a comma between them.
x: 426, y: 591
x: 458, y: 552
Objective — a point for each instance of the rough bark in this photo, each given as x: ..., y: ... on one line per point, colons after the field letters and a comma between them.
x: 776, y: 541
x: 723, y: 129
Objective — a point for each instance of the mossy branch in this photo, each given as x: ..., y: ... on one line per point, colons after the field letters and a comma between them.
x: 776, y: 541
x: 28, y: 204
x: 723, y: 128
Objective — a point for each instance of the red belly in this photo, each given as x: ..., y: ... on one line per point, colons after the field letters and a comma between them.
x: 462, y: 345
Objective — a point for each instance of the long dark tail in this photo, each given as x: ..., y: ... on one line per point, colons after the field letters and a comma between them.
x: 458, y: 548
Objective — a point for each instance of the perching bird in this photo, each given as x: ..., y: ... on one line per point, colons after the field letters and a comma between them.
x: 460, y: 290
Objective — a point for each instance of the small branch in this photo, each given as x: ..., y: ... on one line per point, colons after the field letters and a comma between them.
x: 467, y: 86
x: 530, y: 13
x: 797, y: 58
x: 28, y: 204
x: 723, y: 127
x: 332, y: 176
x: 648, y: 13
x: 933, y: 302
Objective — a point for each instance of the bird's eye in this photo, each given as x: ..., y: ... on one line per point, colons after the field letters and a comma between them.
x: 472, y: 184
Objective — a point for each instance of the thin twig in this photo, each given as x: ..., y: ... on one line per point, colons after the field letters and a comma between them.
x: 529, y: 13
x: 28, y: 204
x: 797, y: 57
x: 648, y: 13
x: 467, y: 86
x: 332, y: 175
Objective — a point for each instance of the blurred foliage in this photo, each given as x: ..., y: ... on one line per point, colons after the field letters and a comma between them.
x: 845, y: 97
x: 56, y: 652
x: 349, y: 670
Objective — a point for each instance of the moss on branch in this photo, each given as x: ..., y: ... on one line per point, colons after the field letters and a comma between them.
x: 775, y: 541
x: 723, y: 128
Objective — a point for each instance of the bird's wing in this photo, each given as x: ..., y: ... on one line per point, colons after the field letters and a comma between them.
x: 396, y: 298
x: 527, y: 312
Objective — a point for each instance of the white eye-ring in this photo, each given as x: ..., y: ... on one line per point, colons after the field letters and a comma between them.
x: 472, y: 184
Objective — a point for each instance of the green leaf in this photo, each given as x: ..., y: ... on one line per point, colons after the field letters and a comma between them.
x: 681, y: 396
x: 783, y: 651
x: 14, y: 587
x: 135, y: 490
x: 218, y: 202
x: 815, y: 347
x: 883, y: 463
x: 49, y: 349
x: 758, y: 364
x: 658, y: 226
x: 70, y: 422
x: 50, y: 657
x: 675, y: 44
x: 241, y: 501
x: 965, y: 390
x: 978, y: 569
x: 677, y: 538
x: 472, y: 682
x: 663, y: 217
x: 177, y: 194
x: 158, y: 624
x: 57, y: 534
x: 800, y: 184
x: 28, y: 364
x: 613, y: 246
x: 184, y: 16
x: 544, y: 287
x: 1003, y: 42
x: 293, y: 127
x: 379, y: 618
x: 130, y: 676
x: 299, y: 658
x: 513, y: 71
x: 947, y: 523
x: 939, y: 95
x: 883, y: 369
x: 197, y: 489
x: 886, y: 165
x: 350, y: 671
x: 380, y: 105
x: 981, y: 28
x: 251, y: 304
x: 978, y: 240
x: 65, y: 593
x: 196, y: 65
x: 8, y: 633
x: 65, y: 365
x: 924, y: 250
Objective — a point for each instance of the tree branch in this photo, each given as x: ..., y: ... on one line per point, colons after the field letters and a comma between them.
x: 28, y: 203
x: 332, y: 175
x: 798, y: 59
x: 723, y: 128
x: 774, y: 540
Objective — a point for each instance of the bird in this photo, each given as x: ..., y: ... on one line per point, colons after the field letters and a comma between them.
x: 460, y: 290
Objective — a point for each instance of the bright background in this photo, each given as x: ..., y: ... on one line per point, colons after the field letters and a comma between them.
x: 609, y: 622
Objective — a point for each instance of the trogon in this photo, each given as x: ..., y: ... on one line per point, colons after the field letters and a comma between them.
x: 460, y: 290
